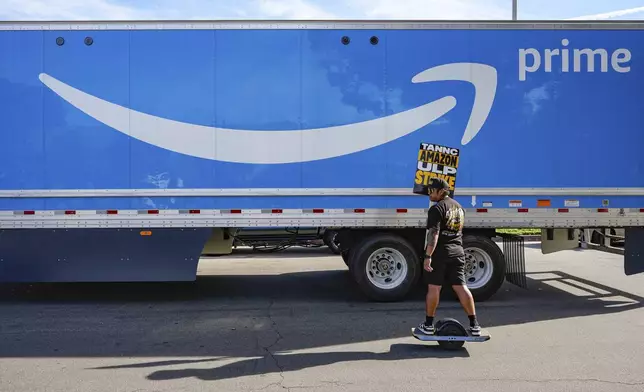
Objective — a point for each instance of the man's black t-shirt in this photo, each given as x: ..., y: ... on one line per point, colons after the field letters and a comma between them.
x: 448, y: 217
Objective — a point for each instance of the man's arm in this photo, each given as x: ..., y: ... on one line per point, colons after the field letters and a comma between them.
x: 433, y: 230
x: 432, y: 239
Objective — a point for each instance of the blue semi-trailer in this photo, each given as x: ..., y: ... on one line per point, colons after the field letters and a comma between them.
x: 128, y: 149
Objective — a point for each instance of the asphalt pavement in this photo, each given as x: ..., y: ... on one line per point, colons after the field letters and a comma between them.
x: 295, y: 321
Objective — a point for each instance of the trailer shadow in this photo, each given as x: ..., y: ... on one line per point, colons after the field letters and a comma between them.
x: 315, y: 308
x: 263, y: 323
x: 550, y: 297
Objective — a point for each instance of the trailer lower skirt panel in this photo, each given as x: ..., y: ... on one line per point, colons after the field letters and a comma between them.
x: 100, y: 255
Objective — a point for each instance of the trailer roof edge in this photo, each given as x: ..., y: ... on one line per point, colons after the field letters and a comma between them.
x: 316, y: 24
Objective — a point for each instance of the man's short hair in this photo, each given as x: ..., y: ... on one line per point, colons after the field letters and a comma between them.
x: 438, y: 184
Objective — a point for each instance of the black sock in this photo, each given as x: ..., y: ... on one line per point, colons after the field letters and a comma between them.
x: 473, y: 321
x: 429, y: 320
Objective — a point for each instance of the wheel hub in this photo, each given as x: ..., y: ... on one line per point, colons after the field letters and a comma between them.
x: 478, y: 267
x: 386, y: 268
x: 384, y: 264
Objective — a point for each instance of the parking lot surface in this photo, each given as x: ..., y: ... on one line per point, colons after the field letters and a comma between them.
x: 295, y: 321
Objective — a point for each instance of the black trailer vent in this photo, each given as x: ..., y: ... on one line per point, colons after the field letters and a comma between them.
x: 513, y: 250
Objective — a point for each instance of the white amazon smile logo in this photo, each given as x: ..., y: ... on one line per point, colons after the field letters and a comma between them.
x: 289, y: 146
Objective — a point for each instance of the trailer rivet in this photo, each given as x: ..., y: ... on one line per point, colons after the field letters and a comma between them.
x: 89, y: 41
x: 374, y: 40
x: 346, y: 40
x: 60, y: 41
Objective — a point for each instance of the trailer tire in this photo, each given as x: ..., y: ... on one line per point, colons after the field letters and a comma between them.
x: 484, y: 266
x: 385, y: 267
x: 346, y: 256
x: 330, y: 241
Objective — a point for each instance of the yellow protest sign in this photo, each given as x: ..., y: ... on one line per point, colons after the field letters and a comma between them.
x: 434, y: 160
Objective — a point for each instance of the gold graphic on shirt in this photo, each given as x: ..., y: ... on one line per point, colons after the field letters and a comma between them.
x: 455, y: 219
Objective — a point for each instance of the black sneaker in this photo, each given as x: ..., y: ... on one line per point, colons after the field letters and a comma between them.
x: 475, y: 330
x: 425, y: 329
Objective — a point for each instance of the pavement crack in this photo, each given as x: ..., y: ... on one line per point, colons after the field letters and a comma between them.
x: 268, y: 350
x: 597, y: 380
x: 277, y: 384
x: 322, y: 385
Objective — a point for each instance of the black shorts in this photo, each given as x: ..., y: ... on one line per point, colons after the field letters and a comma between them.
x: 446, y: 271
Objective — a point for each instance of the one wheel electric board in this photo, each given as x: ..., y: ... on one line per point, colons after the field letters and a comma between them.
x: 450, y: 334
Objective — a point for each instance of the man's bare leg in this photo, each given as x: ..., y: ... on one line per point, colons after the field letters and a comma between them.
x: 465, y: 297
x: 467, y: 302
x: 431, y: 299
x: 431, y: 303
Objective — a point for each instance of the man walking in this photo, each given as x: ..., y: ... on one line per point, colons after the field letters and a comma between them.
x: 444, y: 256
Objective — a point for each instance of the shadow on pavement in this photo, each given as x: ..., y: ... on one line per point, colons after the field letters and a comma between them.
x: 255, y: 316
x: 334, y: 285
x: 549, y: 299
x: 278, y: 363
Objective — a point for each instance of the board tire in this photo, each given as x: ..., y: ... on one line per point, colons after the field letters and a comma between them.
x: 359, y: 256
x: 488, y: 246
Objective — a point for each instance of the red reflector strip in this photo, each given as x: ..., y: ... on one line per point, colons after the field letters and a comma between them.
x: 359, y: 210
x: 70, y: 212
x: 29, y: 212
x: 523, y: 210
x: 401, y: 210
x: 318, y: 210
x: 235, y: 211
x: 481, y: 210
x: 112, y: 212
x: 277, y: 211
x: 153, y: 212
x: 563, y: 210
x: 641, y: 209
x: 602, y: 210
x: 195, y: 211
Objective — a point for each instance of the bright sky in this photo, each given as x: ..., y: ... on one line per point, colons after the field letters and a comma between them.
x: 317, y: 9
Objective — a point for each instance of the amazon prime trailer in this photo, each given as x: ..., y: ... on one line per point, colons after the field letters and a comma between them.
x: 129, y: 149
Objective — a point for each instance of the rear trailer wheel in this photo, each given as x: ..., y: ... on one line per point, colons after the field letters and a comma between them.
x: 385, y: 267
x: 345, y: 257
x: 484, y: 266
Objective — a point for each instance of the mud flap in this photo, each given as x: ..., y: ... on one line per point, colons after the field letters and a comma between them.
x: 514, y: 253
x: 634, y: 250
x: 555, y: 240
